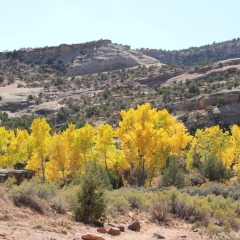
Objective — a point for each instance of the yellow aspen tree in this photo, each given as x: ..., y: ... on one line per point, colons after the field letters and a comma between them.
x: 5, y: 139
x: 80, y: 144
x: 84, y: 141
x: 106, y: 151
x: 235, y: 148
x: 149, y: 136
x: 41, y: 140
x: 211, y: 142
x: 68, y: 138
x: 17, y: 151
x: 57, y: 167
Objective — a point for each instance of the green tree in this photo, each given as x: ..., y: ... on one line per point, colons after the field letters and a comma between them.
x: 90, y: 205
x: 214, y: 170
x: 173, y: 175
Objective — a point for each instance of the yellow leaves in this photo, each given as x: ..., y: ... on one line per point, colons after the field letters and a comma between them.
x: 5, y: 138
x: 18, y: 147
x: 213, y: 142
x: 82, y: 141
x: 58, y: 159
x: 41, y: 140
x: 148, y: 136
x: 106, y: 151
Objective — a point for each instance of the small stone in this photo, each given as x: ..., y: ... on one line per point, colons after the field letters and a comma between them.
x: 196, y: 229
x: 159, y: 236
x: 183, y: 236
x: 110, y: 224
x: 102, y: 230
x: 121, y: 228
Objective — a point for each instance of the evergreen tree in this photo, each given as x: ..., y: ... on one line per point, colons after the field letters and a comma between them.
x: 173, y: 175
x: 214, y: 170
x: 91, y: 204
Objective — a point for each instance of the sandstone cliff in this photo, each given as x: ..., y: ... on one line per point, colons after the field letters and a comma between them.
x: 196, y: 55
x: 86, y: 58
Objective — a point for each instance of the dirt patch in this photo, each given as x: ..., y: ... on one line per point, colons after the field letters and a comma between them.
x: 22, y: 223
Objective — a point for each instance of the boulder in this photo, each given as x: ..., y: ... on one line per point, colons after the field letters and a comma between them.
x: 135, y: 226
x: 90, y: 236
x: 114, y: 231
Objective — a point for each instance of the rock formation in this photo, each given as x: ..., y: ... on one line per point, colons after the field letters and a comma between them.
x: 19, y: 175
x: 86, y: 58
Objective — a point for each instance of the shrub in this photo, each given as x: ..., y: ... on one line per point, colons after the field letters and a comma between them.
x: 221, y: 101
x: 196, y: 179
x: 20, y: 85
x: 213, y: 169
x: 27, y: 195
x: 160, y: 211
x: 209, y: 109
x: 117, y: 204
x: 173, y: 175
x: 90, y: 205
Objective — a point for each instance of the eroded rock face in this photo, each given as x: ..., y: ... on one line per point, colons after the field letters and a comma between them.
x: 192, y: 56
x: 200, y: 103
x: 106, y: 57
x: 87, y: 58
x: 19, y: 175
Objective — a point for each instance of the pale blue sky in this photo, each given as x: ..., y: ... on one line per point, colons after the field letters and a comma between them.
x: 165, y: 24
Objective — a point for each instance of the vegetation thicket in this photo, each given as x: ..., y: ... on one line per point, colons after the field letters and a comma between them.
x: 78, y: 168
x: 139, y: 149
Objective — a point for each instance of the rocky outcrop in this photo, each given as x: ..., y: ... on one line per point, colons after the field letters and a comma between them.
x: 199, y: 103
x: 19, y: 175
x: 86, y: 58
x: 14, y: 106
x: 196, y: 55
x: 156, y: 80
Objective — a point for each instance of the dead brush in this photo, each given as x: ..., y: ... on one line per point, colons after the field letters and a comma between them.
x: 160, y: 211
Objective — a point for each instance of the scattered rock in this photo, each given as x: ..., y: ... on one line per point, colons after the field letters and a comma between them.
x: 158, y: 236
x: 19, y: 175
x: 90, y: 236
x: 135, y: 226
x: 109, y: 224
x: 121, y: 228
x: 64, y: 232
x: 114, y: 231
x: 196, y: 229
x: 183, y: 236
x: 102, y: 230
x: 131, y: 214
